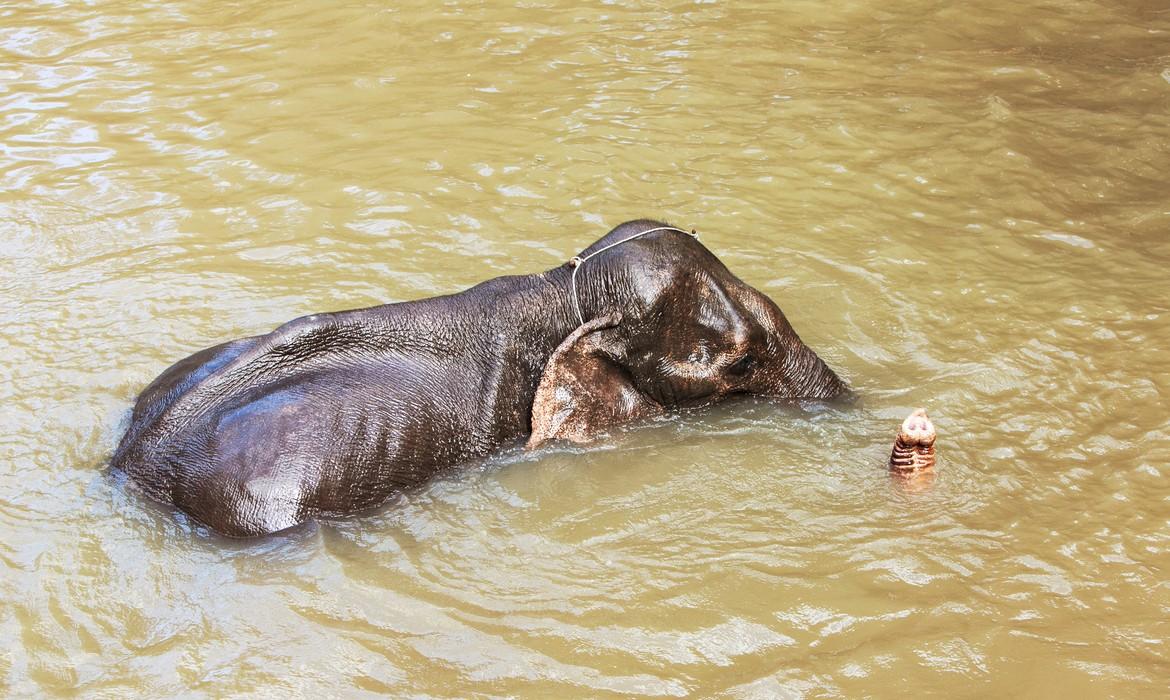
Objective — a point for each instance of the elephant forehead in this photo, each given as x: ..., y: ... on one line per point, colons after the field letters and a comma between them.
x: 717, y: 314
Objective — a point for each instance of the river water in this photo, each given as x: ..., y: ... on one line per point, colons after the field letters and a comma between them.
x: 961, y: 206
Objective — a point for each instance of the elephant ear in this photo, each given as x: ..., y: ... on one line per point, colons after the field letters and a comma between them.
x: 584, y: 389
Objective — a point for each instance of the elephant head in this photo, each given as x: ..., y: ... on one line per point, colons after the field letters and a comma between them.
x: 665, y: 325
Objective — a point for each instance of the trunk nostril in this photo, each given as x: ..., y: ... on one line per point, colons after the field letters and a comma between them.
x: 914, y: 446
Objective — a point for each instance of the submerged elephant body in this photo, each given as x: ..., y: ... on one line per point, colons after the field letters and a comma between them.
x: 333, y: 413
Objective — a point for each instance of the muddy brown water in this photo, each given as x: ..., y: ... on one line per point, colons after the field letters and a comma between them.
x: 962, y: 206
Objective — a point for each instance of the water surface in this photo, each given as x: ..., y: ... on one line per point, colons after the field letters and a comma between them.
x: 959, y: 206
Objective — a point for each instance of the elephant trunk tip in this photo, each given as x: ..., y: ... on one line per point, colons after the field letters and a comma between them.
x: 914, y: 446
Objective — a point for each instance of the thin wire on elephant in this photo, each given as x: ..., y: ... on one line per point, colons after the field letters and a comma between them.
x: 577, y: 260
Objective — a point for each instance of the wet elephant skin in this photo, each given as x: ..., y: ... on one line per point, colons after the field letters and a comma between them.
x: 331, y: 414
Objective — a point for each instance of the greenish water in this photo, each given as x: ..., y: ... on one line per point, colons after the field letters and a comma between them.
x: 959, y: 206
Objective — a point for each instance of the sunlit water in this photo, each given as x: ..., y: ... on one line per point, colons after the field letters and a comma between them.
x: 959, y: 206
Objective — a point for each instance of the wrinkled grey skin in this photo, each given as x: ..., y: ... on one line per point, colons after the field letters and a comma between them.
x: 331, y: 414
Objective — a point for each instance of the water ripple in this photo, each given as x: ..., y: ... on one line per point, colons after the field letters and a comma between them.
x: 958, y: 207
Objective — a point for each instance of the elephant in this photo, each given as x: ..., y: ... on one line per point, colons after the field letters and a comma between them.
x: 914, y: 445
x: 334, y: 413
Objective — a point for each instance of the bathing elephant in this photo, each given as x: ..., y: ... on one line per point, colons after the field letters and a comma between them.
x: 333, y: 413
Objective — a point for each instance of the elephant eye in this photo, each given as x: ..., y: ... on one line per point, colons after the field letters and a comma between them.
x: 742, y: 366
